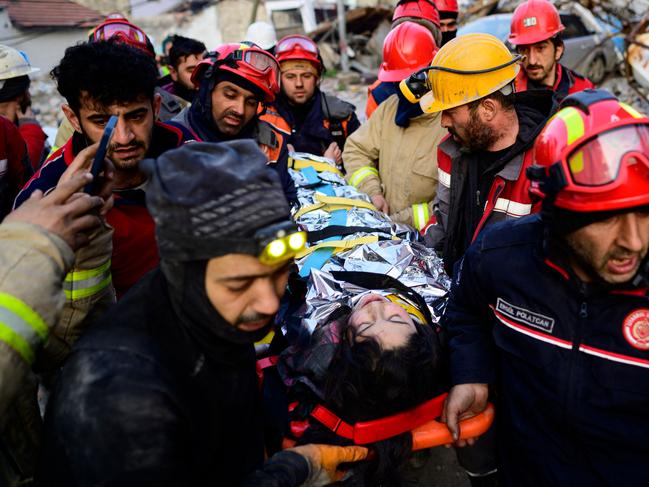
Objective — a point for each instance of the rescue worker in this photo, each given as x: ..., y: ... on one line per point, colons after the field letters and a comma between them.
x: 117, y: 27
x: 481, y: 164
x: 121, y: 83
x: 184, y: 56
x: 536, y: 32
x: 235, y: 83
x: 263, y: 35
x: 423, y: 12
x: 15, y: 102
x: 15, y: 167
x: 40, y: 242
x: 163, y: 390
x: 393, y: 156
x: 448, y: 15
x: 551, y: 311
x: 314, y: 122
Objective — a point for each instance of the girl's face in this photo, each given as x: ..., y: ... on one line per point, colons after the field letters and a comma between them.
x: 380, y: 319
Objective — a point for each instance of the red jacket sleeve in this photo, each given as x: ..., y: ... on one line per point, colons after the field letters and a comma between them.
x: 35, y: 138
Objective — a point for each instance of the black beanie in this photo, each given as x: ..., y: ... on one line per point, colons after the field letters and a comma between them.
x: 209, y: 199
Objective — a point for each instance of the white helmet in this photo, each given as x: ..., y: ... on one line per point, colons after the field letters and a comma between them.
x: 261, y: 33
x: 14, y: 63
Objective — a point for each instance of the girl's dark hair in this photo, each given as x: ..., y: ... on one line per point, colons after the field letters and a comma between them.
x: 365, y: 383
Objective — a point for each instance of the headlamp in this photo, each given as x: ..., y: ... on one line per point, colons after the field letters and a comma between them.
x: 418, y: 84
x: 280, y: 242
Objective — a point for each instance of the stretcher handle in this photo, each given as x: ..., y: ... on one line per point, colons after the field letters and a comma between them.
x: 435, y: 433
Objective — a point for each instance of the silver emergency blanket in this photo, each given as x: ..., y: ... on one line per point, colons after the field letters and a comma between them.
x: 398, y: 253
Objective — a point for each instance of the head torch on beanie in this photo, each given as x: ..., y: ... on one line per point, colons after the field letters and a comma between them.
x: 210, y: 200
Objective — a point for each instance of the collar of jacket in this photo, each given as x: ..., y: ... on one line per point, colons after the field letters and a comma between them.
x: 533, y: 109
x: 313, y: 121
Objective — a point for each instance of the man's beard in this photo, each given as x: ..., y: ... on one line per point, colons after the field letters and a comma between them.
x: 583, y: 256
x: 479, y: 135
x: 128, y: 164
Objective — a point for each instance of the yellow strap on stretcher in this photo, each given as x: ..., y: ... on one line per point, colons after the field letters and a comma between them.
x: 339, y: 245
x: 318, y: 166
x: 332, y: 203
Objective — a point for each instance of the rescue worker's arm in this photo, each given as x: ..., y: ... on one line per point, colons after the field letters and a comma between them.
x: 34, y: 137
x: 63, y: 134
x: 417, y: 215
x: 468, y: 323
x: 361, y: 156
x: 36, y: 244
x: 306, y: 466
x: 287, y: 181
x: 87, y: 286
x: 435, y: 230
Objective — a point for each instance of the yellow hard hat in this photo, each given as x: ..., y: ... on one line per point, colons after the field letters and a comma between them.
x: 468, y: 68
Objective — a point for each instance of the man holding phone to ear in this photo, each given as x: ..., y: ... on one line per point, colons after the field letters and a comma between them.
x: 98, y: 80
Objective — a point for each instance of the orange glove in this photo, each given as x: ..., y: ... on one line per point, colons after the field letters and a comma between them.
x: 324, y: 460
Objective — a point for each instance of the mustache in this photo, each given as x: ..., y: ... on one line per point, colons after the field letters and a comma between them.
x: 233, y: 114
x: 132, y: 145
x: 251, y: 318
x: 534, y: 66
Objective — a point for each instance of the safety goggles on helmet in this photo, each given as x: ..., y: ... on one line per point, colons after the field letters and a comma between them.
x: 257, y: 63
x: 290, y: 43
x: 121, y: 28
x: 598, y: 161
x: 279, y: 243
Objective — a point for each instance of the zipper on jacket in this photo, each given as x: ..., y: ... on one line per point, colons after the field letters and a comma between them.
x: 570, y: 393
x: 477, y: 198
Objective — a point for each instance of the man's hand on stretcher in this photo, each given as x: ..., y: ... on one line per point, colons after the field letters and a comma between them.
x: 464, y: 401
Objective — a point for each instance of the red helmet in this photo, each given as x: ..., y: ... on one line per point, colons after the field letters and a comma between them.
x: 407, y: 48
x: 249, y: 62
x: 534, y: 21
x: 593, y: 155
x: 447, y: 6
x: 298, y: 47
x: 117, y: 27
x: 419, y: 9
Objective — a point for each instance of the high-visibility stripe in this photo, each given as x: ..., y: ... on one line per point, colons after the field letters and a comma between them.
x: 318, y: 166
x: 574, y: 123
x: 82, y: 284
x: 531, y: 333
x: 512, y: 208
x: 631, y: 111
x: 359, y: 174
x: 420, y: 215
x: 444, y: 178
x: 21, y: 327
x: 615, y: 357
